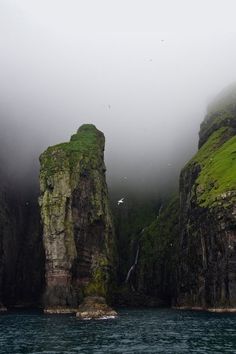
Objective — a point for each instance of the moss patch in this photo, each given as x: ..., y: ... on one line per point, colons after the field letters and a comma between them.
x: 158, y: 255
x: 98, y: 284
x: 158, y: 238
x: 84, y: 147
x: 216, y: 159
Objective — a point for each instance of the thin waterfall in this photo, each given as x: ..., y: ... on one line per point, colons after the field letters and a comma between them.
x: 133, y: 266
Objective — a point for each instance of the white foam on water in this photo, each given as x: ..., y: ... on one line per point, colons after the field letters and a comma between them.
x: 107, y: 317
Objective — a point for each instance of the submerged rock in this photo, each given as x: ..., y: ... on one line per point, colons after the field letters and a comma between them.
x: 95, y: 308
x: 77, y: 224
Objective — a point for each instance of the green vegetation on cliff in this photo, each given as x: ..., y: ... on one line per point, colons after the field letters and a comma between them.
x: 85, y: 145
x: 216, y: 159
x: 158, y: 255
x: 207, y: 212
x: 77, y: 223
x: 130, y: 219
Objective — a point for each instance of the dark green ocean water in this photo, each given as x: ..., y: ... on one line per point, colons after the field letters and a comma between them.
x: 134, y: 331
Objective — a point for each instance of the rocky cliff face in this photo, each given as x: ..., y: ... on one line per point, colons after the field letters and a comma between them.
x: 207, y: 268
x: 77, y: 225
x: 156, y: 270
x: 21, y: 249
x: 187, y: 255
x: 5, y: 232
x: 150, y: 279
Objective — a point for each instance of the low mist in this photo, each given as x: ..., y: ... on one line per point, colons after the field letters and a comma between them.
x: 142, y: 72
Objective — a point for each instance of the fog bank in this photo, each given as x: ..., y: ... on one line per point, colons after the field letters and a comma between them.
x: 143, y: 72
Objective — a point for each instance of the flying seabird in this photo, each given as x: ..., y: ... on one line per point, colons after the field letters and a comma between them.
x: 121, y: 201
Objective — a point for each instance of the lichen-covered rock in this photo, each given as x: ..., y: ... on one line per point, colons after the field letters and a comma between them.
x: 207, y: 267
x: 77, y: 225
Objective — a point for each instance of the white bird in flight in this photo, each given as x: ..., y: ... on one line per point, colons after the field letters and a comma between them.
x: 121, y: 201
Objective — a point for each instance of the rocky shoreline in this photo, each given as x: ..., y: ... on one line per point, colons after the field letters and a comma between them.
x: 205, y: 309
x: 59, y: 311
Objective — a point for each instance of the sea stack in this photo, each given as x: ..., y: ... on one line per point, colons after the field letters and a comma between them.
x: 78, y: 231
x: 207, y: 260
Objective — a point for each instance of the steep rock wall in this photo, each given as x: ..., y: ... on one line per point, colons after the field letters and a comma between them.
x: 77, y: 225
x: 151, y: 278
x: 156, y: 271
x: 207, y: 267
x: 21, y: 248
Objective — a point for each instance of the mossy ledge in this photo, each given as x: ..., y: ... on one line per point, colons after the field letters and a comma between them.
x: 77, y: 224
x: 215, y: 164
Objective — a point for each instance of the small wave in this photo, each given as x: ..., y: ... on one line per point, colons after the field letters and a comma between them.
x: 107, y: 318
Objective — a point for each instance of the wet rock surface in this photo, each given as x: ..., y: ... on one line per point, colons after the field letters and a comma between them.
x: 95, y: 307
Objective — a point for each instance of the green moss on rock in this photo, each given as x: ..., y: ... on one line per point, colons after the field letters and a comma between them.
x: 217, y: 167
x: 85, y: 148
x: 207, y: 213
x: 77, y: 222
x: 158, y: 254
x: 99, y: 282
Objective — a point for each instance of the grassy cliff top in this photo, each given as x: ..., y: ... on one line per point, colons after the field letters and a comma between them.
x: 88, y: 137
x: 86, y: 146
x: 217, y: 161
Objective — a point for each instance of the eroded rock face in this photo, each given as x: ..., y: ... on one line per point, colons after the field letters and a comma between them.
x: 77, y: 225
x: 207, y: 270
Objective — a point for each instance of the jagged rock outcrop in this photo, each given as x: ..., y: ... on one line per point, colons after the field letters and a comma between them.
x: 207, y: 266
x: 77, y: 224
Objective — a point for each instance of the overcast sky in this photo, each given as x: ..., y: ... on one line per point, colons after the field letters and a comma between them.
x: 142, y: 71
